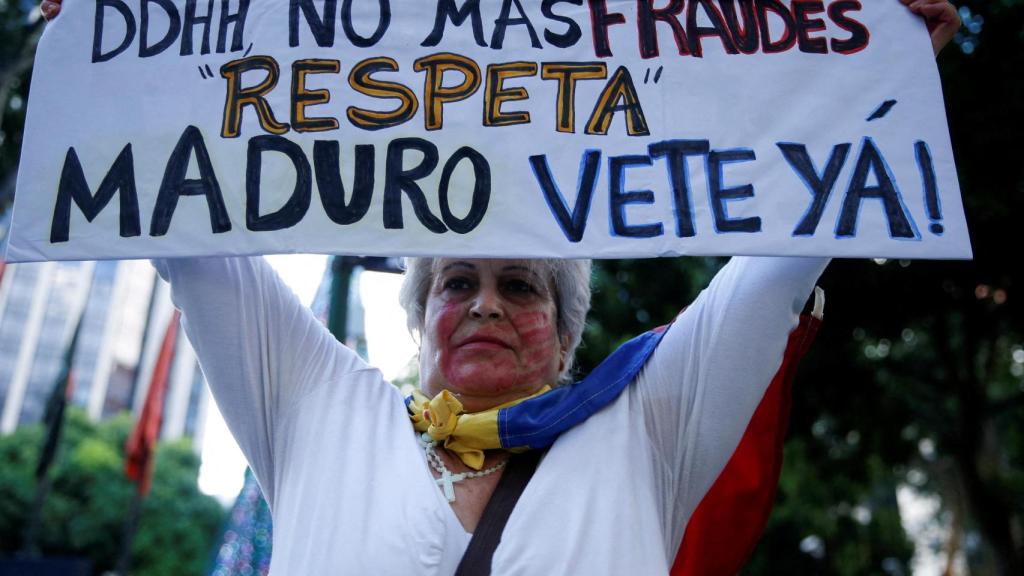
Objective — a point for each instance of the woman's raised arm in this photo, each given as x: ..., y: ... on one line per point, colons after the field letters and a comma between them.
x: 260, y: 349
x: 711, y: 370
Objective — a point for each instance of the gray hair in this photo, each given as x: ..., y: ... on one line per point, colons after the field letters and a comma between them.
x: 569, y: 278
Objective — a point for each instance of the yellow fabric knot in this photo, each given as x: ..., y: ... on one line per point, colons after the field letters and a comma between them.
x: 465, y: 434
x: 443, y: 414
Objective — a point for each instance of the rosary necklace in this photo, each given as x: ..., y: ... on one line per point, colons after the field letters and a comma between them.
x: 447, y: 480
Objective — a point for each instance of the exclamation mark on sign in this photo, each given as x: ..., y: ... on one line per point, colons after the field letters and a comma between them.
x: 931, y: 189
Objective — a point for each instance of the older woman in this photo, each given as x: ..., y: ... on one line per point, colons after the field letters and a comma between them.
x: 631, y: 451
x: 350, y: 484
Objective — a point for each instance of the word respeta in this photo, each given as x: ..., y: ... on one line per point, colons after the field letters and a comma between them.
x: 618, y: 95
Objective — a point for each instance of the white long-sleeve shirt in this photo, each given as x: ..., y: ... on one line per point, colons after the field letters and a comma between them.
x: 350, y: 489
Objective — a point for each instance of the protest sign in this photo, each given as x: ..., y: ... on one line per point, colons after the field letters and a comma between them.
x: 574, y: 128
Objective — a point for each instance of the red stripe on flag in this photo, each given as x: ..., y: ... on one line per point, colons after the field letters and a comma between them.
x: 142, y: 441
x: 729, y: 520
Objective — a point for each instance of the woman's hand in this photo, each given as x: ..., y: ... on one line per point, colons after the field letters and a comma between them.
x: 49, y: 9
x: 941, y: 17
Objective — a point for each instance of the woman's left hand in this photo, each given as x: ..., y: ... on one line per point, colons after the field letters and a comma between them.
x: 50, y: 9
x: 941, y: 17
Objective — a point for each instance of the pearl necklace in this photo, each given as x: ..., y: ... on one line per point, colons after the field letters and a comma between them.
x: 447, y: 480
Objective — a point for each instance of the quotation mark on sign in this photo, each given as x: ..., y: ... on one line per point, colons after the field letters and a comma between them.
x: 657, y: 75
x: 205, y: 71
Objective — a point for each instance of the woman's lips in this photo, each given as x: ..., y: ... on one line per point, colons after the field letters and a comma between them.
x: 483, y: 343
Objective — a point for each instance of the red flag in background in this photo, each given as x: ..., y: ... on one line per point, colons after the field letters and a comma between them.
x: 142, y: 441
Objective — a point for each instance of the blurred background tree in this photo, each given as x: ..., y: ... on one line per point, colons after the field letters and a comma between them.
x: 84, y: 513
x: 916, y: 380
x: 20, y: 29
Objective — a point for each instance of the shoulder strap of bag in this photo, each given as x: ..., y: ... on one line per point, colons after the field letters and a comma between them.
x: 477, y: 559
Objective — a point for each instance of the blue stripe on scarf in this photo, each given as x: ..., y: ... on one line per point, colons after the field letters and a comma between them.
x: 537, y: 422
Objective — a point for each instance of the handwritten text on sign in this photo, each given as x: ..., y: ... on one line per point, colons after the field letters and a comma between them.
x: 573, y: 128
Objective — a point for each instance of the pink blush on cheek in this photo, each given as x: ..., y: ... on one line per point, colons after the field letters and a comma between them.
x: 446, y: 321
x: 536, y: 331
x: 531, y: 325
x: 538, y: 337
x: 448, y: 316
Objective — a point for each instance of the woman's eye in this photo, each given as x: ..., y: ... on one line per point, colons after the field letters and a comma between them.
x: 519, y: 287
x: 457, y: 283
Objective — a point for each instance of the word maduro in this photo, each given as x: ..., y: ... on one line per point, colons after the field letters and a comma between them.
x: 191, y: 147
x: 618, y: 95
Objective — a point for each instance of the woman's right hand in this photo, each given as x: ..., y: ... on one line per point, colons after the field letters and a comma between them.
x: 49, y: 9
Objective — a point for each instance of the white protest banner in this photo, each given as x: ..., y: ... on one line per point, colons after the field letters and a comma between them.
x: 600, y: 128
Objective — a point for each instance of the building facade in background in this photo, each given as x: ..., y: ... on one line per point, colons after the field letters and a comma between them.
x: 126, y: 310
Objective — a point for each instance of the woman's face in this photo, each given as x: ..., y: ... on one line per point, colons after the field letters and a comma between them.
x: 490, y: 332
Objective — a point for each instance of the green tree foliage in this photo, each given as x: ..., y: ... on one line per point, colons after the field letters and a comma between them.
x: 19, y: 32
x: 917, y: 377
x: 85, y: 512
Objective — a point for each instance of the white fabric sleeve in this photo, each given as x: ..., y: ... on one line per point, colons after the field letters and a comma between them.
x: 710, y: 372
x: 260, y: 349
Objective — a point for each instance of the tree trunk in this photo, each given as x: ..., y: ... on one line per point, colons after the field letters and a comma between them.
x: 986, y: 504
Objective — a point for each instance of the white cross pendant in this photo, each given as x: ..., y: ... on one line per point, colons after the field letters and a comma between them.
x: 447, y: 484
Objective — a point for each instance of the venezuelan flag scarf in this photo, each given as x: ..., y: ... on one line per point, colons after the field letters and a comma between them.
x: 535, y: 421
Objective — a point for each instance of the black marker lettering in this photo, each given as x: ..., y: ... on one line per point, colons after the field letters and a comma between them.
x: 574, y: 223
x: 820, y: 187
x: 446, y: 10
x: 175, y: 185
x: 398, y: 181
x: 295, y: 207
x: 73, y: 188
x: 98, y: 55
x: 675, y: 153
x: 332, y: 191
x: 619, y: 198
x: 481, y: 191
x: 717, y: 160
x: 572, y: 34
x: 871, y: 160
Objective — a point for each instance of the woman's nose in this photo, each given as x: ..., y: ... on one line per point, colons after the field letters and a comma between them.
x: 486, y: 304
